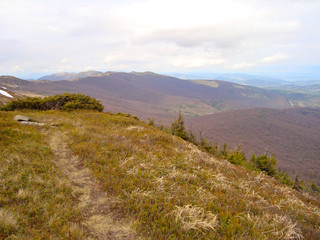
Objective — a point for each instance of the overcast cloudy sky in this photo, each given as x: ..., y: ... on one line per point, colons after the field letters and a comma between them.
x: 181, y: 36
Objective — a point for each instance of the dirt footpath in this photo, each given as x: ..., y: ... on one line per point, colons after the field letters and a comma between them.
x: 102, y: 221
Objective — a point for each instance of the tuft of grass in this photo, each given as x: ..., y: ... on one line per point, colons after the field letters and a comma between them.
x: 195, y: 218
x: 276, y: 226
x: 8, y: 221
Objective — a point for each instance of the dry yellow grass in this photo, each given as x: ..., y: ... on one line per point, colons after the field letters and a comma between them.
x: 8, y: 219
x: 195, y: 218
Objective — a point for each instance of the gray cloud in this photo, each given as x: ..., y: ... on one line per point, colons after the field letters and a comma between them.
x: 225, y: 35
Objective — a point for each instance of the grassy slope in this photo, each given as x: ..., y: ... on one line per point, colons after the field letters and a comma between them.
x: 35, y: 198
x: 173, y: 190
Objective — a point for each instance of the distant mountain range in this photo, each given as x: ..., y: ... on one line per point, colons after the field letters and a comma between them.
x: 240, y: 78
x: 151, y: 95
x: 257, y: 80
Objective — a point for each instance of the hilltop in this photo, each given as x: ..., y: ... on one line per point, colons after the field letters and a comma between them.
x: 149, y: 185
x: 69, y: 76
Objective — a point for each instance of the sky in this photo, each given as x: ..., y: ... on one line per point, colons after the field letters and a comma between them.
x: 275, y: 37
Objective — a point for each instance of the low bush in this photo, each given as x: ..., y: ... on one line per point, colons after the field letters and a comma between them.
x: 265, y: 163
x: 66, y: 102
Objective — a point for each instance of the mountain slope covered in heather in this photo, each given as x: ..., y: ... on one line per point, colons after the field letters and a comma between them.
x: 291, y: 134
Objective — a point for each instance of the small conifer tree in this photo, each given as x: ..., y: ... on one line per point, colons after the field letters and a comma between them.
x: 178, y: 129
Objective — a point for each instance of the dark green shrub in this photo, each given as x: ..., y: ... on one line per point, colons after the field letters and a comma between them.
x: 237, y: 157
x: 66, y: 102
x: 284, y: 178
x: 150, y: 122
x: 205, y: 146
x: 265, y: 163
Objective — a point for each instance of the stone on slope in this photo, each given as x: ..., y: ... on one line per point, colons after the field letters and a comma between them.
x: 21, y: 118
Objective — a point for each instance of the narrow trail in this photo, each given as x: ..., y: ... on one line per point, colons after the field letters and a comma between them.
x: 102, y: 221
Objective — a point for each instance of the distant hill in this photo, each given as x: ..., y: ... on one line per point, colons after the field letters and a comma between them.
x: 13, y: 82
x: 240, y: 78
x: 69, y: 76
x: 301, y: 95
x: 12, y: 88
x: 151, y: 95
x: 291, y: 134
x: 17, y: 88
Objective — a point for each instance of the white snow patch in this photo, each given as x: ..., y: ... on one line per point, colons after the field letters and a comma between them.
x: 3, y: 87
x: 5, y: 93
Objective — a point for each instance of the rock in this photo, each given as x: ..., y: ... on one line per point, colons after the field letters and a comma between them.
x: 21, y: 118
x: 26, y: 120
x: 32, y: 123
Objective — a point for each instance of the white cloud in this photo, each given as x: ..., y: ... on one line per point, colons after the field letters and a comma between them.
x: 65, y: 60
x: 197, y: 62
x: 271, y: 59
x: 241, y: 65
x: 275, y: 58
x: 224, y: 35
